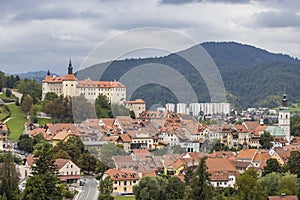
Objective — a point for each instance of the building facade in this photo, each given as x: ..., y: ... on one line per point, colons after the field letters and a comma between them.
x: 69, y: 85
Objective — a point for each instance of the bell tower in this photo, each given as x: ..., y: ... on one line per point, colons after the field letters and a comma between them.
x: 284, y: 117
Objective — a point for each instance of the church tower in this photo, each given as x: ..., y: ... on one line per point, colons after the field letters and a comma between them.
x: 284, y: 118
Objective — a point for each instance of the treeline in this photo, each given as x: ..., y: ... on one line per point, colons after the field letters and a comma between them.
x: 77, y: 109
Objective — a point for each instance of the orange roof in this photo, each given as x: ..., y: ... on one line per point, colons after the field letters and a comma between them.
x: 88, y: 83
x: 251, y: 125
x: 36, y: 131
x: 240, y: 128
x: 62, y: 135
x: 122, y: 174
x: 69, y: 77
x: 59, y: 162
x: 137, y: 101
x: 259, y: 129
x: 219, y: 165
x: 125, y: 138
x: 261, y: 156
x: 141, y: 151
x: 30, y: 159
x: 247, y: 154
x: 3, y: 127
x: 53, y: 79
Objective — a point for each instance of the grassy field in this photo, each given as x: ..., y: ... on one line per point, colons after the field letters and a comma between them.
x: 42, y: 121
x: 16, y: 124
x: 3, y: 113
x: 124, y: 198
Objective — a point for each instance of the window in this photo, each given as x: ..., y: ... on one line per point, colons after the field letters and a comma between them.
x: 115, y: 188
x: 71, y: 166
x: 125, y: 182
x: 116, y: 182
x: 125, y: 189
x: 134, y: 181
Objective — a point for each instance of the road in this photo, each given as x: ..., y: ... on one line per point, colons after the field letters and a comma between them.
x: 90, y: 189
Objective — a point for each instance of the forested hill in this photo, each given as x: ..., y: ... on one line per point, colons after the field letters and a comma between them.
x: 252, y: 76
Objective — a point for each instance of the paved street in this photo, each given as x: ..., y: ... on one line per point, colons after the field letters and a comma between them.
x: 89, y: 190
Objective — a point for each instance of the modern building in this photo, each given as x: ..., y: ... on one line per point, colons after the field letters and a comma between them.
x: 69, y: 85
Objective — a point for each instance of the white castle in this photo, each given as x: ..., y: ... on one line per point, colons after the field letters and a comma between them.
x: 69, y: 86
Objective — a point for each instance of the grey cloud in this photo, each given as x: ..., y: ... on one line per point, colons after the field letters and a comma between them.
x: 197, y: 1
x: 277, y: 19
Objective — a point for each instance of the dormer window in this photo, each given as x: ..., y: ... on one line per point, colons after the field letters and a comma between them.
x: 125, y: 175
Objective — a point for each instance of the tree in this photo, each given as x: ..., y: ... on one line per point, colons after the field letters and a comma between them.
x: 293, y: 164
x: 103, y: 108
x: 8, y: 92
x: 25, y: 143
x: 174, y: 188
x: 45, y: 162
x: 150, y: 188
x: 188, y: 176
x: 106, y: 188
x: 74, y: 147
x: 87, y: 162
x: 9, y: 178
x: 26, y: 103
x: 265, y: 140
x: 109, y: 150
x: 50, y: 96
x: 248, y: 188
x: 62, y: 154
x: 272, y: 166
x: 43, y: 184
x: 82, y: 109
x: 43, y: 187
x: 201, y: 188
x: 270, y: 183
x: 2, y: 80
x: 30, y: 87
x: 288, y: 184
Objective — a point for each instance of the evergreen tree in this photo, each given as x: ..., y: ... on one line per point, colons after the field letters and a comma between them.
x: 201, y: 187
x: 293, y: 163
x: 248, y: 188
x: 272, y: 166
x: 9, y: 178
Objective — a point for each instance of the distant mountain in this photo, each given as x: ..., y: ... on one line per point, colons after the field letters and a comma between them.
x: 252, y: 76
x: 37, y: 75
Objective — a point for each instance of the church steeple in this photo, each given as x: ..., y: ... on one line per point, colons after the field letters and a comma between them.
x: 70, y: 68
x: 284, y: 100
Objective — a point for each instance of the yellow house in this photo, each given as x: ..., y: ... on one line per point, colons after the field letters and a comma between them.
x: 123, y: 180
x: 62, y: 136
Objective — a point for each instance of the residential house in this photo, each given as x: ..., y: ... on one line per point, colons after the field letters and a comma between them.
x: 3, y: 136
x: 223, y: 172
x: 123, y: 180
x: 68, y: 171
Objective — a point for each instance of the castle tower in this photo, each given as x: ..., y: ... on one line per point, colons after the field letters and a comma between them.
x: 284, y: 117
x: 70, y: 68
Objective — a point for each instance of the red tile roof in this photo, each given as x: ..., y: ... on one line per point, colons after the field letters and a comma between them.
x: 122, y: 174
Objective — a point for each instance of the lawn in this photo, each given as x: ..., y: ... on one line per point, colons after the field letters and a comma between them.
x: 124, y: 198
x: 16, y: 124
x: 42, y: 121
x: 3, y: 113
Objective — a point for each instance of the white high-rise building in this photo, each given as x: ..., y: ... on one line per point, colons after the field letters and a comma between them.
x: 181, y: 108
x: 195, y: 109
x: 170, y: 107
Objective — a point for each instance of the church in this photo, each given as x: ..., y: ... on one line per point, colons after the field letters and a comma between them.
x: 69, y: 85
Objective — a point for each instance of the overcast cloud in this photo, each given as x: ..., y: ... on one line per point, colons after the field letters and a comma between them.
x: 38, y: 35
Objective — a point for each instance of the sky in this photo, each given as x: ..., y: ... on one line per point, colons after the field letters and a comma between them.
x: 43, y: 35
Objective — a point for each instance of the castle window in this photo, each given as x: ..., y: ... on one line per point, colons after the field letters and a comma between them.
x: 286, y: 116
